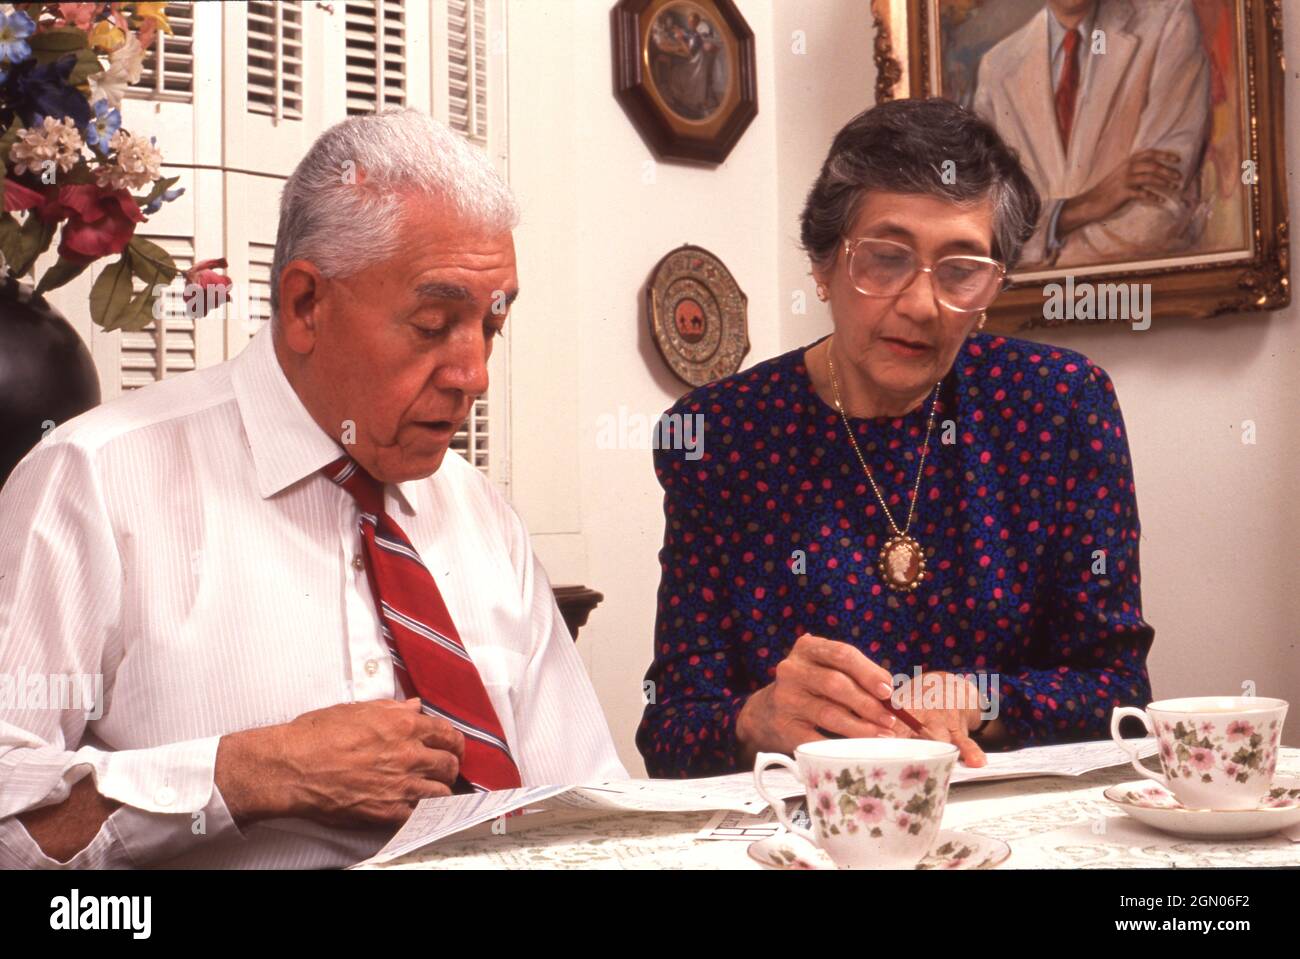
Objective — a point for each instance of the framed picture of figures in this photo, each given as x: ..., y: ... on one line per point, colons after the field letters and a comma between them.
x: 1152, y: 130
x: 684, y: 72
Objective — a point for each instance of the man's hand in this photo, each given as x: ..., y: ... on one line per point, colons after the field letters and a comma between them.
x: 823, y: 684
x: 1141, y: 177
x: 955, y: 717
x: 347, y: 765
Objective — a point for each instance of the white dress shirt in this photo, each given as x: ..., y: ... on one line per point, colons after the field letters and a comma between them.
x: 180, y: 543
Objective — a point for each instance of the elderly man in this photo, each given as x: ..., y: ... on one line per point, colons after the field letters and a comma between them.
x: 306, y: 615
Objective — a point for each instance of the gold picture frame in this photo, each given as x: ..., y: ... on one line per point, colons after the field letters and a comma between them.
x: 920, y: 51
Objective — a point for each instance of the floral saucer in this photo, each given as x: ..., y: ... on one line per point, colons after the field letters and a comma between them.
x: 951, y: 850
x: 1151, y: 803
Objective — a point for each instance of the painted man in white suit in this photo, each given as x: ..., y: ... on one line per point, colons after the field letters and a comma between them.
x: 1110, y: 124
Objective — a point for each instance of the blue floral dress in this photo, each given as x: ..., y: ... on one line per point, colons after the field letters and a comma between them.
x: 1026, y: 514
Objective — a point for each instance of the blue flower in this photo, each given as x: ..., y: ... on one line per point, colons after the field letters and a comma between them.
x: 106, y: 122
x: 154, y: 205
x: 14, y: 31
x: 44, y: 91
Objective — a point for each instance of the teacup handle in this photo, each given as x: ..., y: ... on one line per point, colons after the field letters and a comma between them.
x: 1118, y: 714
x: 761, y: 764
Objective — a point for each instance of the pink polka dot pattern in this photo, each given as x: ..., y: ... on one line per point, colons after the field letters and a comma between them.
x: 1027, y: 514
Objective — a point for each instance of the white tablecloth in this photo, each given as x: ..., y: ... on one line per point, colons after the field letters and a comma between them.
x: 1049, y: 822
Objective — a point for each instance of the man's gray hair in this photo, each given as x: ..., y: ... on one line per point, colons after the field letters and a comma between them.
x: 342, y: 206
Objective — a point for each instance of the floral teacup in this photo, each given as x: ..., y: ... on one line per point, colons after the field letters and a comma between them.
x: 1218, y: 752
x: 874, y: 803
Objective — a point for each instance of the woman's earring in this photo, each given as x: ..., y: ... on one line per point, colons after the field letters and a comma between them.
x: 822, y: 293
x: 983, y: 317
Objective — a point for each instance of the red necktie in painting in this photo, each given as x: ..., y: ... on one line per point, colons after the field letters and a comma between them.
x: 1068, y: 87
x: 429, y: 659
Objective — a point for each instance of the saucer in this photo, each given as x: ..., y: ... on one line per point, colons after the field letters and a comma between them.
x: 951, y: 850
x: 1151, y: 803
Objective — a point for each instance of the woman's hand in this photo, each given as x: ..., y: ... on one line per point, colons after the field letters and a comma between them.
x: 823, y: 684
x: 952, y: 721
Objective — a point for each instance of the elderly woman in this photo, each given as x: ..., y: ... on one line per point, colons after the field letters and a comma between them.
x: 907, y: 506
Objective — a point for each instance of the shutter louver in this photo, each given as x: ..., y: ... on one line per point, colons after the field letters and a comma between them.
x: 471, y: 441
x: 168, y: 68
x: 275, y: 59
x: 260, y: 256
x: 467, y: 69
x: 156, y: 352
x: 376, y: 55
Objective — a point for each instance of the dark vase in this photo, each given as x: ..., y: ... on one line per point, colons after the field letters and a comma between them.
x: 46, y: 373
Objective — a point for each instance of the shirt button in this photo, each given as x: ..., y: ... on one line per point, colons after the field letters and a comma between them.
x: 358, y: 562
x: 165, y: 796
x: 372, y: 667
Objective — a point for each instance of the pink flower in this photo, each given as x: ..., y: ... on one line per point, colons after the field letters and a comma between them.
x: 1202, y: 759
x: 1240, y: 729
x: 1231, y: 769
x: 913, y: 775
x: 1166, y: 751
x: 877, y: 774
x: 825, y: 802
x: 870, y: 809
x: 80, y: 15
x: 205, y: 289
x: 903, y: 820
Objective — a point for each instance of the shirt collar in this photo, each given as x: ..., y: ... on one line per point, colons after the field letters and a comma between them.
x: 1056, y: 32
x: 287, y: 445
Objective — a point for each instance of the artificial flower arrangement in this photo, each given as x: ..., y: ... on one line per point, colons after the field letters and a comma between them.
x: 71, y: 168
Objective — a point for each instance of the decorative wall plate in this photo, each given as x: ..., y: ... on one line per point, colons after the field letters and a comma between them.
x: 698, y: 315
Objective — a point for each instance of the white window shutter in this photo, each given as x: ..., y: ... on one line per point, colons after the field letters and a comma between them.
x: 467, y: 69
x: 168, y: 70
x: 166, y: 346
x: 275, y: 59
x: 377, y: 69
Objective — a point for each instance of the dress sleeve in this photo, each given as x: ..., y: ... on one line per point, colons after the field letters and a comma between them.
x: 696, y: 685
x: 1092, y: 657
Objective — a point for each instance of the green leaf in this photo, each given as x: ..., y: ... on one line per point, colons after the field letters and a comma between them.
x: 60, y: 273
x: 9, y: 137
x: 33, y: 239
x: 111, y: 294
x: 87, y: 65
x: 59, y: 41
x: 150, y: 262
x: 139, y: 312
x: 159, y: 186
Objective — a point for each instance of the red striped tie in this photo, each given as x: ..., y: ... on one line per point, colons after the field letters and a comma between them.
x: 429, y: 659
x: 1068, y: 88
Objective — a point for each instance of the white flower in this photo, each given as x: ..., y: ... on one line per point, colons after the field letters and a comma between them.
x: 56, y: 140
x: 110, y: 85
x: 137, y: 163
x: 130, y: 57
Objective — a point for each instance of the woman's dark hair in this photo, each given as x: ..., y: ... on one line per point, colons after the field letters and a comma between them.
x: 902, y: 146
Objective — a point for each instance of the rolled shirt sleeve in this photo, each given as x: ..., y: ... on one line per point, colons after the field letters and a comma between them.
x: 1094, y: 655
x: 60, y: 644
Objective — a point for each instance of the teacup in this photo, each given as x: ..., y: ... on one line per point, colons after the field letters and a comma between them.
x: 1217, y: 752
x: 874, y: 803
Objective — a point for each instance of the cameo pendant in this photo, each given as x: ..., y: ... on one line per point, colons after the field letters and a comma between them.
x: 902, y: 563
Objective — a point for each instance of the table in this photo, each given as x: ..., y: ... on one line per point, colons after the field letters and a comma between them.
x: 1049, y: 822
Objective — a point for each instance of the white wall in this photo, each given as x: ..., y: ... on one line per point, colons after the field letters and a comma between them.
x: 1220, y: 520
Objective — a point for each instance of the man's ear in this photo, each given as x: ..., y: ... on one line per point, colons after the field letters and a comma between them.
x: 302, y: 293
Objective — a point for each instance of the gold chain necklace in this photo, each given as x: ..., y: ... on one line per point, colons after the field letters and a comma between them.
x: 902, y: 561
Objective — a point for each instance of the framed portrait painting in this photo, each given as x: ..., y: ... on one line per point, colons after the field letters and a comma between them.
x: 1152, y: 130
x: 684, y: 72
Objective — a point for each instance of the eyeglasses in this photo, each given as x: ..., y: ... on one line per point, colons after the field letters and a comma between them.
x: 966, y: 284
